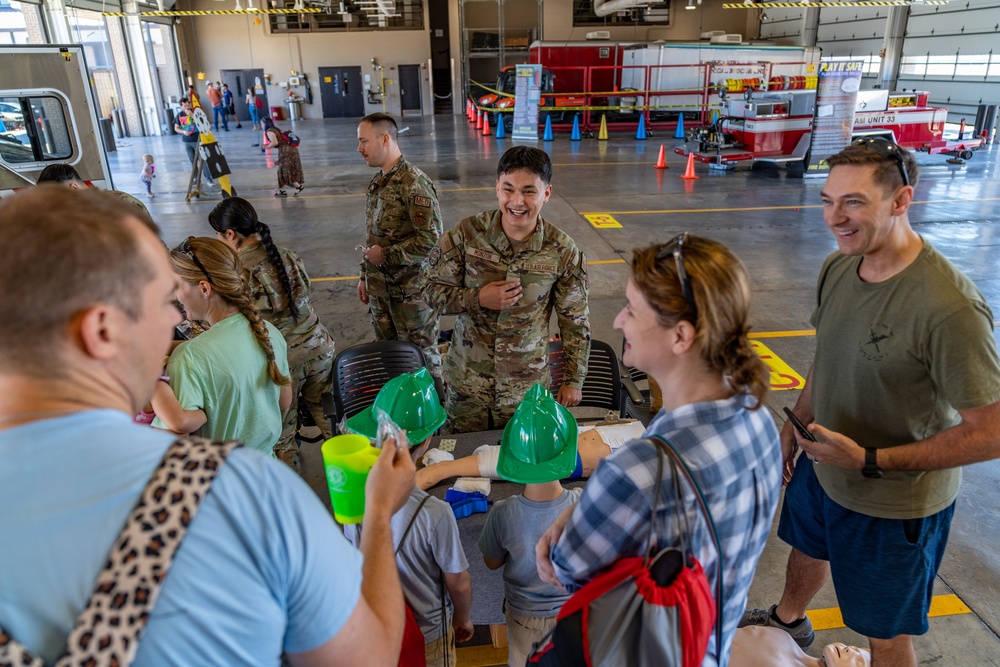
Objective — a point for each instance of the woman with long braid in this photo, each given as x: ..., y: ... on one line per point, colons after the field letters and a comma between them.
x: 231, y: 382
x: 279, y: 287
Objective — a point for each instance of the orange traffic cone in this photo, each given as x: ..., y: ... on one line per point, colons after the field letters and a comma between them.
x: 479, y: 120
x: 689, y: 172
x: 486, y: 125
x: 661, y: 162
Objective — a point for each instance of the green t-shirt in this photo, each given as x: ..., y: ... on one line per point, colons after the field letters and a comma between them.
x: 224, y: 372
x: 895, y: 360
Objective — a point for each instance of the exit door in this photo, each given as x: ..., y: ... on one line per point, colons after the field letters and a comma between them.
x: 239, y: 80
x: 409, y: 89
x: 340, y: 88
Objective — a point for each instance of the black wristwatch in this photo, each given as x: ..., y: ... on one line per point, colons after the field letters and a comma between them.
x: 871, y: 469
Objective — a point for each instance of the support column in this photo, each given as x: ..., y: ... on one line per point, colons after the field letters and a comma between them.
x: 140, y: 68
x: 55, y: 20
x: 810, y: 26
x: 892, y: 46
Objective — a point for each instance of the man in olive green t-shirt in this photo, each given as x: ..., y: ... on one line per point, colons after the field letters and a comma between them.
x: 904, y: 390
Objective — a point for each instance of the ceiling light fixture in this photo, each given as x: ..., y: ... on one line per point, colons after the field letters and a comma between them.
x: 690, y: 5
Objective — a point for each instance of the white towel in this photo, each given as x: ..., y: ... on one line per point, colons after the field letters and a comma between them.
x: 473, y: 485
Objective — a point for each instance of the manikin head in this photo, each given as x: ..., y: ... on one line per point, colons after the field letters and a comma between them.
x: 756, y: 646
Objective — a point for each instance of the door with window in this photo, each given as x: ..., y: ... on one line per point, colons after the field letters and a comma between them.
x: 340, y: 89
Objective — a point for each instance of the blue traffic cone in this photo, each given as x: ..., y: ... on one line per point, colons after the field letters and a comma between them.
x: 501, y: 132
x: 640, y: 134
x: 548, y: 129
x: 575, y: 134
x: 679, y: 133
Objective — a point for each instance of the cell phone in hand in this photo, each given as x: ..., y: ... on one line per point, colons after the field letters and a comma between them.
x: 799, y: 426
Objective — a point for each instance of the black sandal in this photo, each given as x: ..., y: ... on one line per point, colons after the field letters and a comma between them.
x: 280, y: 193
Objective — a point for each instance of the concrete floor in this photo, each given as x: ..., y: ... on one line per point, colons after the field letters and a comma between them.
x: 771, y: 221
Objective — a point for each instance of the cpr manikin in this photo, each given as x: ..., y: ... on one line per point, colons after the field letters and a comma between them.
x: 757, y: 646
x: 439, y: 466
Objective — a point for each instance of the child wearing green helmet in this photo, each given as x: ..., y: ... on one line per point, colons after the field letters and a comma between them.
x: 539, y: 448
x: 432, y: 549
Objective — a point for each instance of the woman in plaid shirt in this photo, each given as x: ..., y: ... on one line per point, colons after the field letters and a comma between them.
x: 685, y: 324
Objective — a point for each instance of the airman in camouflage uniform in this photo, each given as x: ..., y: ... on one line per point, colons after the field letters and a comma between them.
x: 403, y: 222
x: 503, y: 272
x: 310, y: 347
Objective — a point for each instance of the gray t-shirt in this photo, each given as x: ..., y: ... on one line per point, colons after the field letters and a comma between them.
x: 895, y: 361
x: 513, y: 528
x: 432, y: 547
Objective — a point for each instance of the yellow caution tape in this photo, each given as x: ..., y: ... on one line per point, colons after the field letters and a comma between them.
x: 217, y: 12
x: 491, y: 90
x: 831, y: 3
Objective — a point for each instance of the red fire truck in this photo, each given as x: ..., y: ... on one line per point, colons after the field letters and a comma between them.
x: 776, y: 126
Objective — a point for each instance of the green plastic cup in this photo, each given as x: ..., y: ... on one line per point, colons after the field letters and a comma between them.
x: 347, y: 460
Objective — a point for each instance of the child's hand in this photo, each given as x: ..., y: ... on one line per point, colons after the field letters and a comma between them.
x: 463, y: 631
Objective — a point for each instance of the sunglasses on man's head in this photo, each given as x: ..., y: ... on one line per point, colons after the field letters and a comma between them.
x: 185, y: 248
x: 887, y: 149
x: 675, y: 247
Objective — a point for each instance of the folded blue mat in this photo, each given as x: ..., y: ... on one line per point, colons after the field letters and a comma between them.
x: 466, y: 504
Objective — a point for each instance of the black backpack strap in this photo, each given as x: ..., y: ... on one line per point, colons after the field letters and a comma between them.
x: 108, y: 629
x: 399, y: 546
x: 413, y: 520
x: 680, y: 465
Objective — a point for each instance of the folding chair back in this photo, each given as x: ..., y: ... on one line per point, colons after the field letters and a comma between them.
x: 359, y: 372
x: 602, y: 388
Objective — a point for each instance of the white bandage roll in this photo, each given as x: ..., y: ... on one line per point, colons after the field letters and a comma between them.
x: 473, y: 485
x: 487, y: 456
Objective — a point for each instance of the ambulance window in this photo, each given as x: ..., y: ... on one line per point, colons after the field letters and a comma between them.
x: 40, y: 135
x: 14, y: 143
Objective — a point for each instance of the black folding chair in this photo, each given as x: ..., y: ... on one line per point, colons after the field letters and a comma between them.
x: 636, y: 402
x: 359, y: 372
x: 602, y: 387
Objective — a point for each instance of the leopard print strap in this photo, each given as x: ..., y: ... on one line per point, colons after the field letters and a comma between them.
x: 12, y: 654
x: 107, y: 631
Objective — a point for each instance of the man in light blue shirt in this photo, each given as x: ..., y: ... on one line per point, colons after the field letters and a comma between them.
x: 262, y: 571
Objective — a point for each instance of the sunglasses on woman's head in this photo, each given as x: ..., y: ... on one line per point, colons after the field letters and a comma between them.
x: 185, y: 248
x: 675, y: 247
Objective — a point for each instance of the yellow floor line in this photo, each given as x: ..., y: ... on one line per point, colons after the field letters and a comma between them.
x: 941, y: 605
x: 783, y: 334
x: 702, y: 210
x: 340, y: 278
x: 481, y: 656
x: 767, y: 208
x: 822, y: 619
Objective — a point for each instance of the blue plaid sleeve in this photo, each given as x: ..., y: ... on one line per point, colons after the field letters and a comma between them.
x: 612, y: 518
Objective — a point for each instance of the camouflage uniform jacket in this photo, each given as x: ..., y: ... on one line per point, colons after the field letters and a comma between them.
x: 511, y: 345
x: 307, y: 338
x: 402, y: 215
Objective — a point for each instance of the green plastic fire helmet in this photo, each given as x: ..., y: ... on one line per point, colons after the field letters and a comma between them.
x: 411, y: 401
x: 539, y: 441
